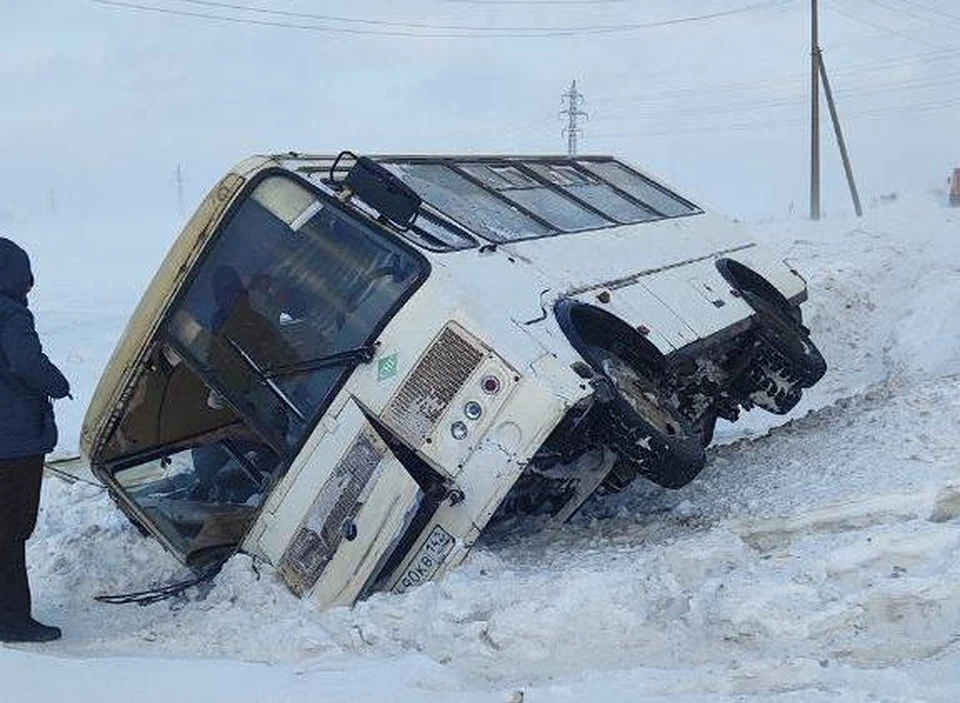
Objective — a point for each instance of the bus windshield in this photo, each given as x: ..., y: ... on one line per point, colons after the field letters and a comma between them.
x: 283, y: 305
x: 291, y: 280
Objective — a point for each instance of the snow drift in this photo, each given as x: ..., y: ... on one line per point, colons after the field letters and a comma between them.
x: 814, y: 560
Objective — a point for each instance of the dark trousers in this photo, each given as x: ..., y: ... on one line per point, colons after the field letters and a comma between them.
x: 19, y: 500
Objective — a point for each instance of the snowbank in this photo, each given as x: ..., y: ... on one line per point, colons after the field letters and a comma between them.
x: 813, y: 561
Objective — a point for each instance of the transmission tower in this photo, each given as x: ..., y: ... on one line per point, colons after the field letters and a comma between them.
x: 572, y: 101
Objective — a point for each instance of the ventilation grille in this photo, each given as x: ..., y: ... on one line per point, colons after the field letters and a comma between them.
x: 434, y: 382
x: 332, y: 514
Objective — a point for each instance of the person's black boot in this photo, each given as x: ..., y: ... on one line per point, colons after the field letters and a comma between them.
x: 27, y: 630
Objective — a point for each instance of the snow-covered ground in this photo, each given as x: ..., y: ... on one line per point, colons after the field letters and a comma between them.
x: 815, y: 559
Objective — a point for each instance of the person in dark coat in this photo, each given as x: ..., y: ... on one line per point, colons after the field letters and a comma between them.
x: 28, y: 380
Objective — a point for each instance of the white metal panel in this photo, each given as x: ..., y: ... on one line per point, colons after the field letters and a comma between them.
x: 783, y: 277
x: 384, y: 516
x: 699, y: 295
x: 386, y: 506
x: 488, y: 475
x: 592, y: 259
x: 638, y: 307
x: 555, y: 373
x: 446, y: 451
x: 424, y: 423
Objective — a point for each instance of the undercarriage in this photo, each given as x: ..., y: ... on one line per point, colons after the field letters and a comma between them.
x: 741, y: 372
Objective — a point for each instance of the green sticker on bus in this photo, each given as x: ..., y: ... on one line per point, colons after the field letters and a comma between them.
x: 387, y: 367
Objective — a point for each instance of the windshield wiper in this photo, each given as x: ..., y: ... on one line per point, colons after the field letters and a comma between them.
x: 358, y: 355
x: 265, y: 378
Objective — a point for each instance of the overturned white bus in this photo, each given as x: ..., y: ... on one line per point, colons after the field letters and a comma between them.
x: 349, y: 366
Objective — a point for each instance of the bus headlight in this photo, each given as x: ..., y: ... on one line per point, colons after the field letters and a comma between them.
x: 459, y: 430
x: 473, y: 410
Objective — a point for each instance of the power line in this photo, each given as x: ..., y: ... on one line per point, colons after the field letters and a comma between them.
x: 875, y: 113
x: 852, y: 96
x: 948, y: 79
x: 883, y: 28
x: 724, y: 88
x: 446, y: 31
x: 381, y: 23
x: 534, y: 3
x: 940, y: 82
x: 932, y: 10
x: 909, y: 13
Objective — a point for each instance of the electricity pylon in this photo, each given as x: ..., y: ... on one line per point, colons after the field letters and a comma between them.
x: 572, y: 100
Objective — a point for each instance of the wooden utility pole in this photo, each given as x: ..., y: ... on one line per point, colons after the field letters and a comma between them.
x: 814, y: 112
x: 818, y: 73
x: 839, y: 132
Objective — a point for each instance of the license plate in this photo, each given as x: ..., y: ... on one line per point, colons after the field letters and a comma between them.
x: 428, y: 559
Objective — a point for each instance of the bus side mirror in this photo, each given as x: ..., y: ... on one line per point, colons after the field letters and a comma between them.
x: 383, y: 191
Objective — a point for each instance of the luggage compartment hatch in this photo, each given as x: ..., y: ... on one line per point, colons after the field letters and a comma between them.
x: 346, y: 509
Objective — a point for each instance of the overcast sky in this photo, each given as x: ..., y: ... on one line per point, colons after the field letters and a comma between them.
x: 99, y: 103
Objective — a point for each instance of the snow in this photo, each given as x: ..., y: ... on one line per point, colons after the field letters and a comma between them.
x: 813, y: 560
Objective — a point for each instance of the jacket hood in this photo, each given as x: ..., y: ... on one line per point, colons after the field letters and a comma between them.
x: 16, y: 278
